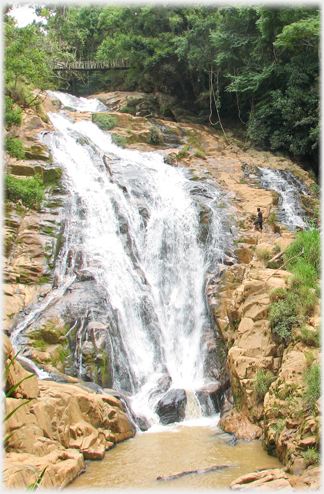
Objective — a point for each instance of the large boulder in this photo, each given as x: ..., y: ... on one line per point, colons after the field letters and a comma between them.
x: 172, y: 406
x: 237, y: 423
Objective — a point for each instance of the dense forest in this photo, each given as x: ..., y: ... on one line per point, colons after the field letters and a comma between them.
x: 254, y: 69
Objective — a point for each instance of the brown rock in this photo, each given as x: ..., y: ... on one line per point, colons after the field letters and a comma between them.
x: 237, y: 423
x: 57, y: 428
x: 28, y: 387
x: 275, y: 479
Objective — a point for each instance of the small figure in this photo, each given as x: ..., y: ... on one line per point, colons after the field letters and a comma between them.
x: 259, y: 219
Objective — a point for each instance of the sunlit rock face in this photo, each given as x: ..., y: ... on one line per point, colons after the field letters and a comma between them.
x: 61, y: 425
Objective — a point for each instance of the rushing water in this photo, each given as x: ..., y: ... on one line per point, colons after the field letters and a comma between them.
x: 136, y: 221
x: 289, y: 188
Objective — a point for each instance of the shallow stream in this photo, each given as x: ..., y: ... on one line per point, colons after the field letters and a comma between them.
x: 163, y: 451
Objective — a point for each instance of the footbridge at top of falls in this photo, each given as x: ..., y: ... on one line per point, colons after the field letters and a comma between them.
x: 118, y: 64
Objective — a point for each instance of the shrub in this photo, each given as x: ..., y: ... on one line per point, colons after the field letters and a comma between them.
x: 128, y: 109
x: 155, y: 136
x: 272, y: 218
x: 264, y: 254
x: 14, y: 148
x: 283, y: 316
x: 183, y: 153
x: 278, y: 427
x: 310, y: 242
x: 262, y: 384
x: 104, y: 121
x: 119, y: 140
x: 199, y: 154
x: 312, y: 379
x: 306, y: 301
x: 278, y: 294
x: 315, y: 188
x: 30, y: 191
x: 309, y: 337
x: 12, y: 115
x: 311, y: 456
x: 21, y: 93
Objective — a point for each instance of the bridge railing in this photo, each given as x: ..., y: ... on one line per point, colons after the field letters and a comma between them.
x: 120, y: 63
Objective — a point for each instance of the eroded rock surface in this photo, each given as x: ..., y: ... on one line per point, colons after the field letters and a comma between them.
x: 57, y: 426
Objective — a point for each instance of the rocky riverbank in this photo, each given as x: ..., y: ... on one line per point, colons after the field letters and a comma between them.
x: 66, y: 420
x: 55, y: 426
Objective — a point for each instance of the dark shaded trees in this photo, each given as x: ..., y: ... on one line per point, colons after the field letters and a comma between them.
x: 253, y: 65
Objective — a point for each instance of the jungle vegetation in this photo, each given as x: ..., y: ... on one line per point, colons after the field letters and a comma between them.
x: 254, y: 69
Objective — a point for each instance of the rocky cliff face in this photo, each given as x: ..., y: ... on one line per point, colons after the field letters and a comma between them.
x: 86, y: 424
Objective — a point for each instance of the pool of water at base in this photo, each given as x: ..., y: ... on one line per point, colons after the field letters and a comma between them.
x: 136, y: 463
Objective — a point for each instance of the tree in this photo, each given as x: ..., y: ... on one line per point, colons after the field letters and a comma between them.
x: 27, y: 61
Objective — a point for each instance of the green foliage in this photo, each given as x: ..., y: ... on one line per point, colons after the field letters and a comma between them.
x: 104, y: 120
x: 292, y: 307
x: 27, y: 55
x: 264, y: 254
x: 119, y: 140
x: 272, y: 218
x: 315, y: 188
x: 35, y: 485
x: 199, y: 154
x: 12, y: 116
x: 311, y: 456
x: 9, y: 392
x: 253, y: 63
x: 307, y: 266
x: 29, y: 191
x: 278, y: 427
x: 155, y: 136
x: 14, y: 148
x: 309, y: 337
x: 312, y: 379
x: 262, y: 383
x: 283, y: 316
x: 128, y: 109
x: 277, y: 294
x: 183, y: 153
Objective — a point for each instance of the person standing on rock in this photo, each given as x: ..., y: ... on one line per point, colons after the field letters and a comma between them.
x: 259, y: 220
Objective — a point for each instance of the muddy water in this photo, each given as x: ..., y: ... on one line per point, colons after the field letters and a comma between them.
x: 161, y: 451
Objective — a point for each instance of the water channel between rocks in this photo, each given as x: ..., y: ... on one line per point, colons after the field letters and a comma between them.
x: 136, y: 463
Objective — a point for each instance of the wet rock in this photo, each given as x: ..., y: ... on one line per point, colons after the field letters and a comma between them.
x: 162, y: 386
x: 237, y: 423
x: 171, y: 407
x: 38, y: 151
x: 142, y: 423
x: 211, y: 397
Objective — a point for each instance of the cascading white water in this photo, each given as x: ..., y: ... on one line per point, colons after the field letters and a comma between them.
x: 80, y: 104
x: 135, y: 220
x: 161, y: 284
x: 151, y: 264
x: 289, y: 187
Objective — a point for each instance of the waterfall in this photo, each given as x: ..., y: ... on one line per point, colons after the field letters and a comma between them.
x: 289, y: 188
x: 135, y: 223
x: 79, y: 104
